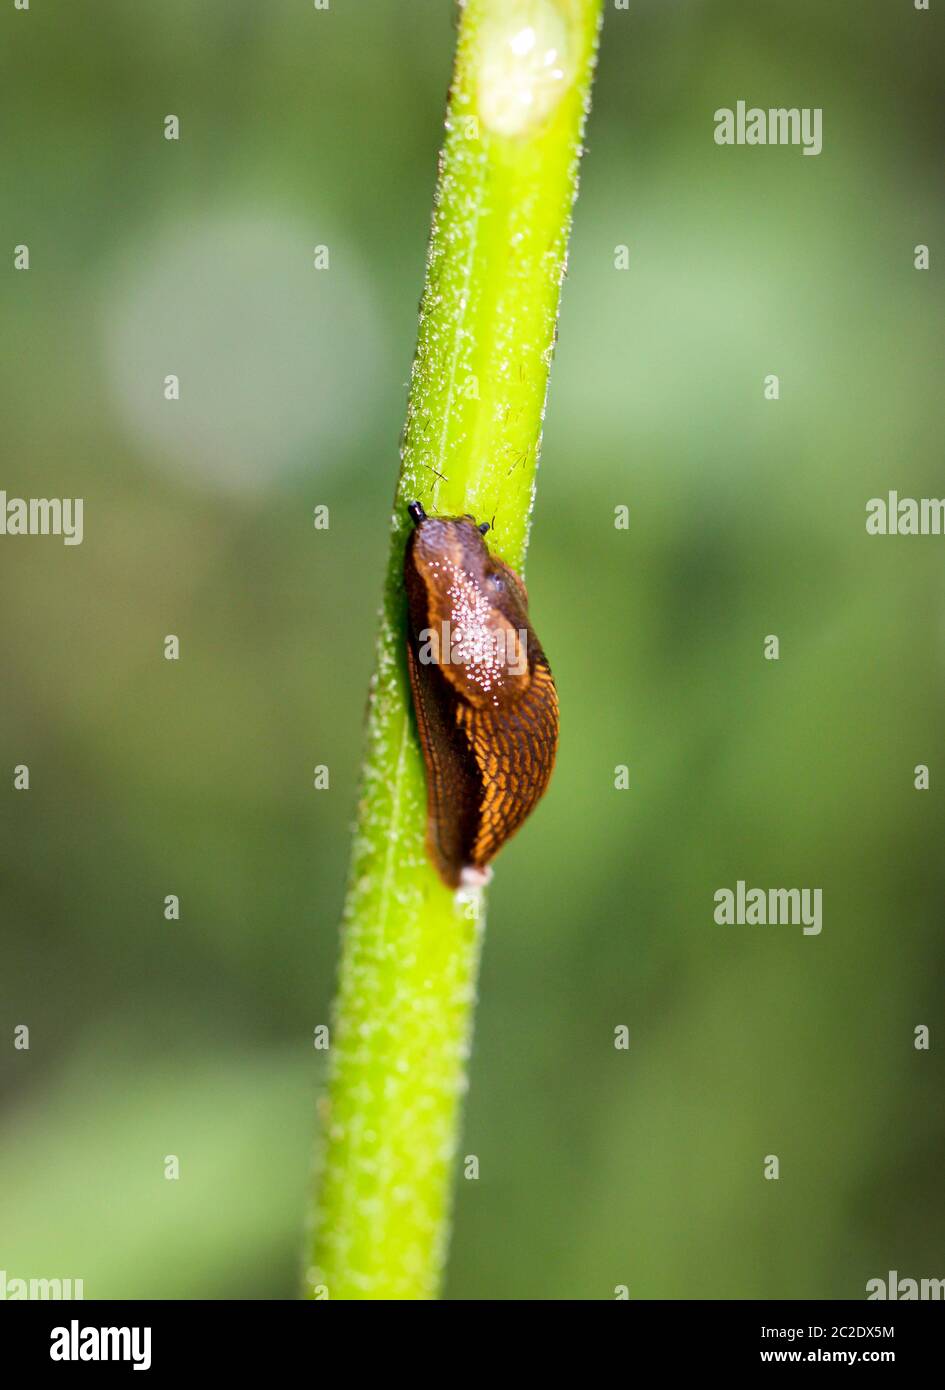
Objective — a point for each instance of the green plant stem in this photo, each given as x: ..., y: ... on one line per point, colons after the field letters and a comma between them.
x: 402, y: 1023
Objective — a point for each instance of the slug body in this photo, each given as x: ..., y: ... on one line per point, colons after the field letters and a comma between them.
x: 483, y: 693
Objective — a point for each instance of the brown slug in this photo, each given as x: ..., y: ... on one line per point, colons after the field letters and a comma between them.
x: 483, y: 693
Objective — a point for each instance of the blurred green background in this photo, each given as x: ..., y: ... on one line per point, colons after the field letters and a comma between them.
x: 149, y: 777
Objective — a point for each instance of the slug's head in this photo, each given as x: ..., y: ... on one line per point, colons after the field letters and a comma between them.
x: 472, y: 606
x: 417, y: 515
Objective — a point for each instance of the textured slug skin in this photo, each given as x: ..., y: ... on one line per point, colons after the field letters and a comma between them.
x: 488, y: 722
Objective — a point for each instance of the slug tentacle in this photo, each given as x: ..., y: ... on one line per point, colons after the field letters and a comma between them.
x: 483, y: 693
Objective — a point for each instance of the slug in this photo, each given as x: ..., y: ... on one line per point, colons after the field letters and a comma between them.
x: 483, y: 694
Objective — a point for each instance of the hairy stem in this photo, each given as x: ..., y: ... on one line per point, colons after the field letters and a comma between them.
x: 401, y: 1034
